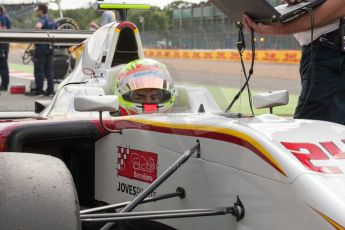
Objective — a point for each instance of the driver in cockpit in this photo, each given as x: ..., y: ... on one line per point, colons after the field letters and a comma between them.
x: 145, y: 86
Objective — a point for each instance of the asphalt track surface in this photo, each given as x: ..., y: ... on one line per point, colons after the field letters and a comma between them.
x: 267, y: 77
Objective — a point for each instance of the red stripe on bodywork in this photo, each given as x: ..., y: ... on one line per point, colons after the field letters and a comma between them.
x: 123, y: 124
x: 130, y: 25
x: 4, y: 133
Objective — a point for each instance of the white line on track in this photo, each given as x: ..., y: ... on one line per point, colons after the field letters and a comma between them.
x: 21, y: 75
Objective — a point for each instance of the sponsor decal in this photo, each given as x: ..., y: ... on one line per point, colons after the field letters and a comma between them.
x: 273, y: 56
x: 197, y: 55
x: 149, y: 73
x: 176, y: 54
x: 270, y: 56
x: 234, y: 56
x: 208, y: 55
x: 248, y: 56
x: 185, y: 54
x: 321, y: 157
x: 221, y: 55
x: 167, y: 54
x: 136, y: 164
x: 290, y: 58
x: 132, y: 190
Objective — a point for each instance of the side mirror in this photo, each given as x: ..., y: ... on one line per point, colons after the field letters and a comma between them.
x: 96, y: 103
x: 271, y: 99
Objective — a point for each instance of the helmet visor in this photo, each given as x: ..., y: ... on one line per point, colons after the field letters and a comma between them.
x: 147, y: 82
x: 148, y: 96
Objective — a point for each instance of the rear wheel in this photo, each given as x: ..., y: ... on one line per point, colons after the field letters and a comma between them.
x: 36, y: 192
x: 66, y: 24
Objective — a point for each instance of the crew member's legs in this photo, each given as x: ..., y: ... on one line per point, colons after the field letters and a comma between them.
x: 49, y: 74
x: 4, y: 73
x: 322, y: 96
x: 5, y: 78
x: 337, y: 110
x: 39, y: 63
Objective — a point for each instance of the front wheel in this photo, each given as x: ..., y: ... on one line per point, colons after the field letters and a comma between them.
x: 36, y: 192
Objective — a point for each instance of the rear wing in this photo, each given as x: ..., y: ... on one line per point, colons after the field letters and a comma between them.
x: 121, y: 8
x: 56, y: 37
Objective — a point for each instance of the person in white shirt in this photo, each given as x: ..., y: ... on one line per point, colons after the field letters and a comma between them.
x: 323, y: 79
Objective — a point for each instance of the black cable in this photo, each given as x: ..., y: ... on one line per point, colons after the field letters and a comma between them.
x: 251, y: 71
x: 241, y: 44
x: 241, y: 48
x: 74, y: 83
x: 312, y: 64
x: 28, y: 55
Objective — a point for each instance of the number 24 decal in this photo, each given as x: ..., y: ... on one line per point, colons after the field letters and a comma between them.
x: 308, y: 152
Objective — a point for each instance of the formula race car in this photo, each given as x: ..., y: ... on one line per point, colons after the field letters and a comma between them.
x: 77, y: 166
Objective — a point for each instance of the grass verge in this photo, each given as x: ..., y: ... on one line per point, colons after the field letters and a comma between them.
x: 224, y: 95
x: 21, y: 68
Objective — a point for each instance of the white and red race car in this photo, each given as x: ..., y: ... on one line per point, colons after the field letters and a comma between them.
x: 194, y: 168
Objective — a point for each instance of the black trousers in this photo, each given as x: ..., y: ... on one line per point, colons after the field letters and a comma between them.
x: 43, y: 68
x: 323, y: 83
x: 4, y: 72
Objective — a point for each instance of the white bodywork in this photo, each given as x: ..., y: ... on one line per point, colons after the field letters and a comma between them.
x: 288, y: 173
x: 243, y: 157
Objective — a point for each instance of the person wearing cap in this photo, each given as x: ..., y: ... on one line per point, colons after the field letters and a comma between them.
x: 145, y: 86
x: 43, y: 55
x: 5, y: 23
x: 322, y: 67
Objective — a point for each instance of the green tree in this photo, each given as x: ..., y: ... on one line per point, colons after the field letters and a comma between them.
x: 82, y: 16
x: 177, y: 5
x: 155, y: 19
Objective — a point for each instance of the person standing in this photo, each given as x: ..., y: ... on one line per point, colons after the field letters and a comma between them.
x: 108, y: 16
x: 43, y: 55
x: 5, y: 23
x: 322, y: 66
